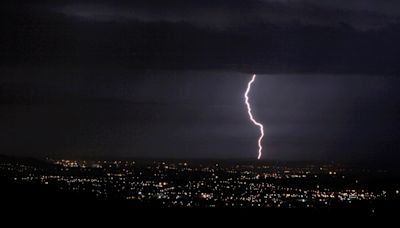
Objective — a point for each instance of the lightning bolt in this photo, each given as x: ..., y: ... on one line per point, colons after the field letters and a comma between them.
x: 246, y: 97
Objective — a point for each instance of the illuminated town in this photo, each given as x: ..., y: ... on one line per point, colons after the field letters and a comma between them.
x: 208, y: 184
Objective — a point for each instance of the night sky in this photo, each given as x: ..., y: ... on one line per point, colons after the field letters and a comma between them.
x: 165, y: 79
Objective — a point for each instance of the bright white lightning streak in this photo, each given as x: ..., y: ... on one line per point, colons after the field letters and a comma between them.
x: 246, y: 97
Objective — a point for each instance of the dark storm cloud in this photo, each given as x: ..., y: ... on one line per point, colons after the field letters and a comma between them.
x: 222, y: 14
x: 262, y: 36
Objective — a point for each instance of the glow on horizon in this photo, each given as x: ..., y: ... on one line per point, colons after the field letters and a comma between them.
x: 246, y: 97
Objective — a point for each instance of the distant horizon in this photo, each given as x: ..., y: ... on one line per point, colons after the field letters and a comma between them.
x: 216, y: 160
